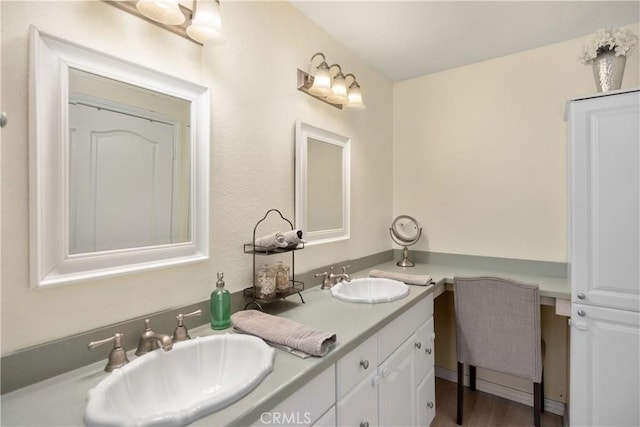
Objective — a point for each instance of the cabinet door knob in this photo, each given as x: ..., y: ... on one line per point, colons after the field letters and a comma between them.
x: 364, y: 364
x: 375, y: 380
x: 364, y: 424
x: 418, y: 345
x: 430, y: 405
x: 582, y: 313
x: 428, y: 350
x: 581, y: 296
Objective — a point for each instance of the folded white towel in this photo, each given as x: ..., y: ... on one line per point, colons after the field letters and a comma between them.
x: 270, y: 242
x: 294, y: 237
x: 409, y: 279
x: 281, y: 331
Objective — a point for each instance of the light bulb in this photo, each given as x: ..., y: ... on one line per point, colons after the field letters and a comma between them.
x: 321, y: 81
x: 206, y: 26
x: 164, y: 11
x: 338, y: 90
x: 355, y: 98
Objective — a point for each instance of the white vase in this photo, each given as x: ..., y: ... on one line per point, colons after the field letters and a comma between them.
x: 608, y: 70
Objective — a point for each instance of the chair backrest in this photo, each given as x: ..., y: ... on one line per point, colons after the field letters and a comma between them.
x: 498, y: 325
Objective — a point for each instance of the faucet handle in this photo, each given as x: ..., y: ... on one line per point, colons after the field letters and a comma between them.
x: 117, y: 356
x: 344, y: 268
x: 181, y: 333
x: 326, y: 281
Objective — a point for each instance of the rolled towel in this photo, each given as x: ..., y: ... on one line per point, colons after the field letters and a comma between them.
x: 409, y: 279
x: 281, y: 331
x: 270, y: 242
x: 294, y: 238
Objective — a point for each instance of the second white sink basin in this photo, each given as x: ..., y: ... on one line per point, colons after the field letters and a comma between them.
x: 176, y: 387
x: 370, y: 290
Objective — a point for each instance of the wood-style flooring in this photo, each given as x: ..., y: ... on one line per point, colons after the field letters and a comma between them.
x: 483, y: 409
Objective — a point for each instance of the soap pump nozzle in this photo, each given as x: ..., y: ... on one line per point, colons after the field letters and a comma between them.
x: 220, y: 282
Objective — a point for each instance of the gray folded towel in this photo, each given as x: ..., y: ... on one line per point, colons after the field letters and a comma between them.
x: 281, y: 331
x: 294, y: 237
x: 270, y: 242
x: 409, y: 279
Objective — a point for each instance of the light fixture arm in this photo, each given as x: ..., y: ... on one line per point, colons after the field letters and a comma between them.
x: 324, y: 61
x: 339, y: 73
x: 355, y: 82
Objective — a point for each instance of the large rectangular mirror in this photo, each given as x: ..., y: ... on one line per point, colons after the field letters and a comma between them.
x: 322, y: 184
x: 119, y: 165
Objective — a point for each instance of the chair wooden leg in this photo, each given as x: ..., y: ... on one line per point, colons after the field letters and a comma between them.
x: 460, y: 392
x: 542, y: 392
x: 472, y: 377
x: 537, y: 403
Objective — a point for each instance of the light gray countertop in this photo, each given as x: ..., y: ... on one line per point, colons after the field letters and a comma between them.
x: 60, y: 401
x: 443, y: 274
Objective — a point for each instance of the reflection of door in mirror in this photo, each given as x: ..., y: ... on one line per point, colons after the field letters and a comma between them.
x: 324, y: 185
x: 128, y: 183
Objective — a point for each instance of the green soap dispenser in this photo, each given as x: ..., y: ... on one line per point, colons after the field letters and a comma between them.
x: 220, y: 305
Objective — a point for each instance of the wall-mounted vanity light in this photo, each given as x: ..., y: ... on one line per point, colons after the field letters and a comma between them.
x: 329, y: 88
x: 201, y: 24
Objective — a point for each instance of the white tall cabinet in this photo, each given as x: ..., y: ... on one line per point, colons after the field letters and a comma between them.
x: 604, y: 242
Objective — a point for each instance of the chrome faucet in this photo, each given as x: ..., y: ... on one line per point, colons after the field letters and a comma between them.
x: 331, y: 279
x: 150, y: 341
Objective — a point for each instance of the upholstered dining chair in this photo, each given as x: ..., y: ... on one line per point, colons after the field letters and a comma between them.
x: 498, y: 328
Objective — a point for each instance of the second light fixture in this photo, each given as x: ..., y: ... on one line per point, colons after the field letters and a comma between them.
x: 329, y: 88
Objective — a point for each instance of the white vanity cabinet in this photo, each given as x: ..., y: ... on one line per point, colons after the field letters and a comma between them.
x: 387, y: 380
x: 401, y: 388
x: 604, y: 241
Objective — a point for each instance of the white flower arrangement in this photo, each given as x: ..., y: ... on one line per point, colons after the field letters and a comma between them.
x: 619, y: 41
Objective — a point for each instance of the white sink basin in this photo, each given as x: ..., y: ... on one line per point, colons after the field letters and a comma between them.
x: 370, y: 290
x: 176, y: 387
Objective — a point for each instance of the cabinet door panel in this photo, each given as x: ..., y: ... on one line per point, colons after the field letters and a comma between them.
x: 605, y: 368
x: 360, y: 405
x: 397, y: 388
x: 605, y: 201
x: 328, y: 419
x: 423, y: 350
x: 426, y: 402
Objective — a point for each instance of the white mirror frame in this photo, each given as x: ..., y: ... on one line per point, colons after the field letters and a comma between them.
x: 304, y: 132
x: 50, y: 262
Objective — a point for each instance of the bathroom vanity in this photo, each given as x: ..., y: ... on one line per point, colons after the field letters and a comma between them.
x: 390, y: 339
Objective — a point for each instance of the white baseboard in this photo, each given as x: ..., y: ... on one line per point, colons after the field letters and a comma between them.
x: 499, y: 390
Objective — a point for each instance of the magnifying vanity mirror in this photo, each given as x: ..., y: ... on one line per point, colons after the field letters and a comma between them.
x: 405, y: 231
x: 119, y: 162
x: 322, y: 184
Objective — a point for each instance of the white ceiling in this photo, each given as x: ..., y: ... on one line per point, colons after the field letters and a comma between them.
x: 406, y: 39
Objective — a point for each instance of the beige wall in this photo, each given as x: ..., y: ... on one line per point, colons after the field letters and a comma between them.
x: 479, y: 152
x: 254, y: 108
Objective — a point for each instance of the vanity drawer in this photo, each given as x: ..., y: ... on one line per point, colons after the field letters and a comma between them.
x: 356, y: 365
x: 395, y: 333
x: 306, y: 405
